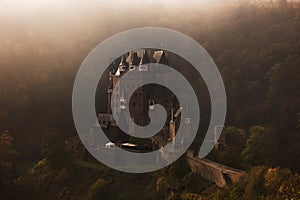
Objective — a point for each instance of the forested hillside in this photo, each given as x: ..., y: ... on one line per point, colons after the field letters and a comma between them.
x: 256, y: 47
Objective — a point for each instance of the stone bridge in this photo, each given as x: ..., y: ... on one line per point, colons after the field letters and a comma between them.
x: 220, y: 174
x: 217, y: 173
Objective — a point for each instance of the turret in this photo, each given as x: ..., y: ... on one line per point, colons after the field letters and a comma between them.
x: 109, y: 92
x: 143, y: 61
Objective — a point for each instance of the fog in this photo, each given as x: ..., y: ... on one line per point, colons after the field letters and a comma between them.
x: 50, y: 18
x: 32, y: 25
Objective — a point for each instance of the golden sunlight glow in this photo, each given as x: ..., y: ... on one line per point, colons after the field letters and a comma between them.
x: 66, y: 3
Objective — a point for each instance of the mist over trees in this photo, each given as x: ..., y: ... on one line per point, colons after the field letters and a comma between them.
x: 255, y: 46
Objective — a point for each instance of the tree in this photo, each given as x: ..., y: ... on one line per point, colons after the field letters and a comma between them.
x: 256, y: 149
x: 234, y: 145
x: 8, y: 156
x: 235, y: 137
x: 7, y: 151
x: 290, y: 189
x: 274, y: 177
x: 97, y: 190
x: 54, y: 149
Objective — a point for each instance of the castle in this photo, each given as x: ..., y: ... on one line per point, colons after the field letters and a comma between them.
x: 143, y: 100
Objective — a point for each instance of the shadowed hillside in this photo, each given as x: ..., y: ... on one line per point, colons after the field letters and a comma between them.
x: 255, y: 46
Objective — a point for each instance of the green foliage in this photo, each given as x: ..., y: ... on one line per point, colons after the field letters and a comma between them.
x: 162, y: 187
x: 255, y: 46
x: 179, y: 169
x: 196, y: 184
x: 235, y: 137
x: 37, y: 70
x: 190, y: 196
x: 231, y: 194
x: 98, y: 189
x: 255, y: 188
x: 54, y: 149
x: 175, y: 176
x: 263, y: 183
x: 8, y: 156
x: 7, y: 151
x: 256, y: 150
x: 235, y: 141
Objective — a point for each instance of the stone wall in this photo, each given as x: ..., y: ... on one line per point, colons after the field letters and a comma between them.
x: 220, y: 174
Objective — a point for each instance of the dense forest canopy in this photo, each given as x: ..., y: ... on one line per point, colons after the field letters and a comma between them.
x: 254, y: 44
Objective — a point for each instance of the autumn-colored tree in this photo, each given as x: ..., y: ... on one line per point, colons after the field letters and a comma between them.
x: 8, y: 156
x: 290, y: 189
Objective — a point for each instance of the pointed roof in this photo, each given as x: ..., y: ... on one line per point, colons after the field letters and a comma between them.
x: 123, y: 61
x: 135, y: 59
x: 129, y: 58
x: 145, y: 58
x: 160, y: 57
x: 123, y: 66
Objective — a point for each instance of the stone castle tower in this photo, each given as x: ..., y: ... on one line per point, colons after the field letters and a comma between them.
x: 144, y: 98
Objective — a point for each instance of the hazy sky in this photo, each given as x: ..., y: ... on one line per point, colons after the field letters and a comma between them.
x: 63, y: 14
x: 33, y: 4
x: 33, y: 9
